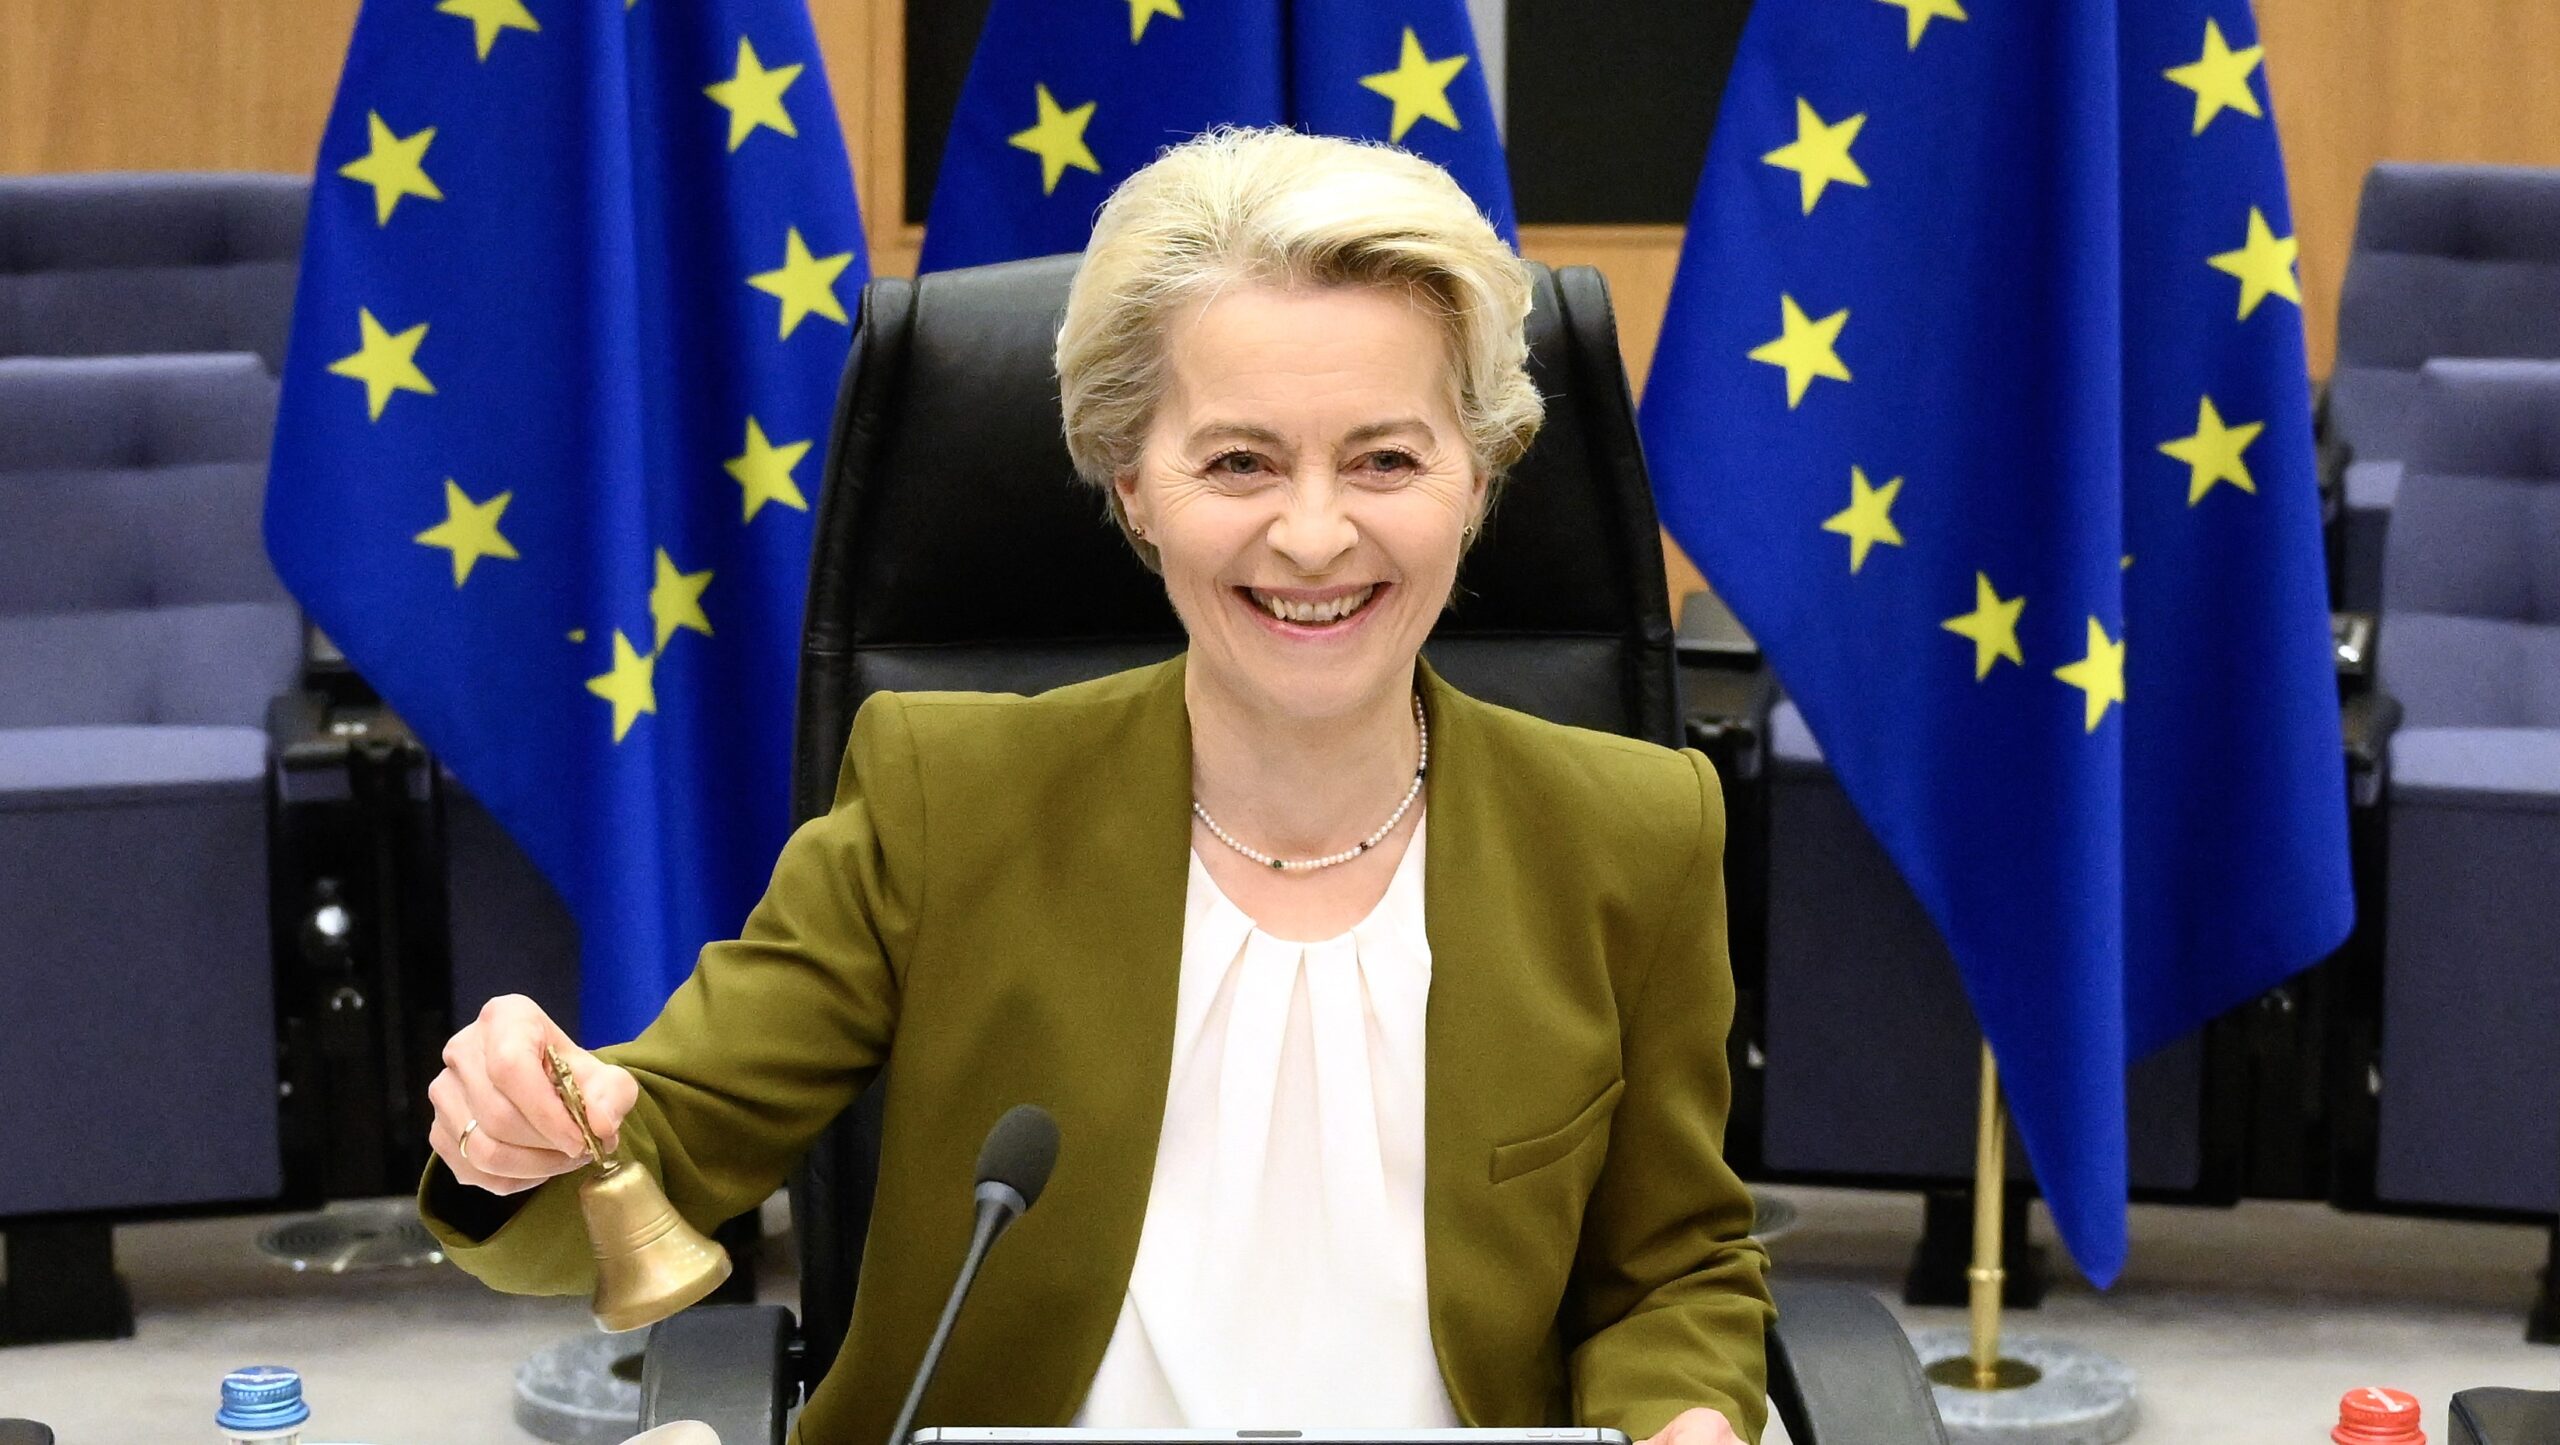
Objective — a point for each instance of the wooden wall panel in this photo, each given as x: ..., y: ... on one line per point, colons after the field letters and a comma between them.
x: 2360, y: 81
x: 91, y: 85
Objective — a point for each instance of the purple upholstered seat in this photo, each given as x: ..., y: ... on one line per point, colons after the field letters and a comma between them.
x: 142, y: 636
x: 130, y: 264
x: 2470, y: 646
x: 2449, y: 261
x: 1857, y: 971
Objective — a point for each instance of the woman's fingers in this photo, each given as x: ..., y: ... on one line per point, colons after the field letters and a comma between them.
x: 500, y: 1117
x: 499, y: 1122
x: 517, y: 1033
x: 610, y: 1092
x: 483, y: 1156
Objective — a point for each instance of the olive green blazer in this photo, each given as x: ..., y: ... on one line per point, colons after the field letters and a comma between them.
x: 1000, y: 889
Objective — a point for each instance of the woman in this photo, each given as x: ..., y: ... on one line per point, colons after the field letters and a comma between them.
x: 1384, y: 1027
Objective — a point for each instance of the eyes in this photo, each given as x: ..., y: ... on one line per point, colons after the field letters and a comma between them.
x: 1242, y: 464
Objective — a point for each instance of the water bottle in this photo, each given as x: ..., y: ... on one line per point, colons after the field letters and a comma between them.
x: 262, y: 1405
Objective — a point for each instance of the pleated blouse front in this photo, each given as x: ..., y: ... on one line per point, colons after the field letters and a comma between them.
x: 1279, y: 1279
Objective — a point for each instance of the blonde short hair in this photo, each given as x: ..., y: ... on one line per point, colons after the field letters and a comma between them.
x: 1276, y: 207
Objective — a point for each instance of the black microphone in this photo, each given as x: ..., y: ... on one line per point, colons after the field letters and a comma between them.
x: 1013, y: 1167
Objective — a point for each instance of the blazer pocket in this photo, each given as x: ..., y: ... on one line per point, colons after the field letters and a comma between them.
x: 1527, y: 1156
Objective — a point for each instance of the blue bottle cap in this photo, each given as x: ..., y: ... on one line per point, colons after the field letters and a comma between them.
x: 257, y: 1399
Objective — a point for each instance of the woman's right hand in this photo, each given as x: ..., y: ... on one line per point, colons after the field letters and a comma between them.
x: 495, y: 1086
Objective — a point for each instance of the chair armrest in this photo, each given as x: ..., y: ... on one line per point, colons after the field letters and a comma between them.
x: 2331, y: 458
x: 2503, y: 1417
x: 1726, y: 688
x: 735, y: 1368
x: 1710, y: 633
x: 1842, y: 1372
x: 2351, y: 639
x: 298, y: 731
x: 2368, y: 720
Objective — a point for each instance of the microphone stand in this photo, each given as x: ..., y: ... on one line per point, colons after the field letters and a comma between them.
x: 998, y: 1205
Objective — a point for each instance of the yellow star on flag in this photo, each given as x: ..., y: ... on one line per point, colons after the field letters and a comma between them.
x: 764, y: 470
x: 385, y: 363
x: 804, y: 283
x: 1141, y: 11
x: 1992, y: 626
x: 469, y: 531
x: 1868, y: 519
x: 2220, y: 78
x: 1920, y: 12
x: 2100, y: 675
x: 1057, y: 139
x: 632, y: 686
x: 2213, y: 452
x: 1803, y: 348
x: 675, y: 600
x: 1418, y: 85
x: 488, y: 17
x: 395, y: 166
x: 753, y: 96
x: 2264, y: 264
x: 1819, y: 154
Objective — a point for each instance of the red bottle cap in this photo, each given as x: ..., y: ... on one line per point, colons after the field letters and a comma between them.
x: 2373, y: 1416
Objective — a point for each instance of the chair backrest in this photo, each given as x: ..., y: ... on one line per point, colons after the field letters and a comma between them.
x: 2471, y: 575
x: 2449, y: 260
x: 134, y: 582
x: 952, y: 518
x: 126, y: 264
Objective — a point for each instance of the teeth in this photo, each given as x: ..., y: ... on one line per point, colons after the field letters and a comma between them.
x: 1315, y: 612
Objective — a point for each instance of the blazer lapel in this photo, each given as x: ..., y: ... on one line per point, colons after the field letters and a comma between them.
x: 1108, y: 931
x: 1482, y: 1016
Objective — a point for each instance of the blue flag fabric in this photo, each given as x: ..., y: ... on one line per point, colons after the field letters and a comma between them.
x: 573, y: 309
x: 1062, y: 104
x: 1982, y: 399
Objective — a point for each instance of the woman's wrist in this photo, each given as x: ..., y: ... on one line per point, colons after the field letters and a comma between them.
x: 471, y: 1212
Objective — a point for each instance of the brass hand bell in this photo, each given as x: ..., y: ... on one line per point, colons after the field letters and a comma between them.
x: 649, y: 1262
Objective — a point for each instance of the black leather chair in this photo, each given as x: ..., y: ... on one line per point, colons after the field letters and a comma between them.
x: 956, y: 549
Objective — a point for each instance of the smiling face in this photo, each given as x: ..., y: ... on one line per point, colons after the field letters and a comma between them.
x: 1306, y: 484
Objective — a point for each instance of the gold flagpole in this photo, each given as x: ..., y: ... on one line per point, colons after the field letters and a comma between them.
x: 1983, y: 1369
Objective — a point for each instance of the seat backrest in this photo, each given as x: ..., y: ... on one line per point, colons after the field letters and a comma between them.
x: 134, y: 582
x: 2471, y: 574
x: 957, y: 549
x: 127, y: 264
x: 2449, y: 260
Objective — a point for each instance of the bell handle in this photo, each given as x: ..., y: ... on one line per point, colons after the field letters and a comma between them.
x: 575, y: 1101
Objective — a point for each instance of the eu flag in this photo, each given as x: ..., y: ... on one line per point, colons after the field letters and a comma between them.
x: 1063, y: 102
x: 1982, y: 399
x: 572, y: 313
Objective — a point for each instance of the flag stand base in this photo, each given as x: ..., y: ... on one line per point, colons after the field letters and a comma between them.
x: 2032, y: 1391
x: 2079, y: 1397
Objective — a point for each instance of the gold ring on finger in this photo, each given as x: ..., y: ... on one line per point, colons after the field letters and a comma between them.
x: 462, y: 1146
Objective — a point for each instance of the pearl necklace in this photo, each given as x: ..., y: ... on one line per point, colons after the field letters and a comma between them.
x: 1421, y: 768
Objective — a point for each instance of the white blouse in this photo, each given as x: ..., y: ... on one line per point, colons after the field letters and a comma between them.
x: 1279, y: 1279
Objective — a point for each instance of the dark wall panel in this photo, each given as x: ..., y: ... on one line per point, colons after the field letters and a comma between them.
x: 1610, y: 105
x: 941, y: 36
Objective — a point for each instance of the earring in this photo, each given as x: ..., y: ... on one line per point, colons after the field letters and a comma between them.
x: 1137, y: 531
x: 1467, y: 533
